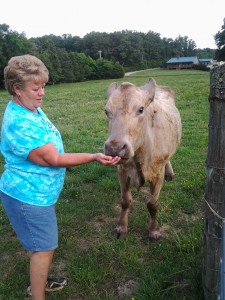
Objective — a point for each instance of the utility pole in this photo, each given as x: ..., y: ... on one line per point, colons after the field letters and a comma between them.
x: 100, y: 54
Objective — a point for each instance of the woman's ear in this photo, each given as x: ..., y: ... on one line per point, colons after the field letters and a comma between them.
x: 16, y: 89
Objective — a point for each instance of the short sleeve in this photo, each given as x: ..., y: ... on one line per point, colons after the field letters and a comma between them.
x: 25, y: 134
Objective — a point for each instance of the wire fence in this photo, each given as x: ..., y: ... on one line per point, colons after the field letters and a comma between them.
x: 221, y: 277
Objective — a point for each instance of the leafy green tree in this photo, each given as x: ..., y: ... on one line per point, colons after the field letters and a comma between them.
x: 71, y: 43
x: 65, y: 64
x: 94, y: 42
x: 76, y: 67
x: 131, y: 49
x: 66, y: 41
x: 3, y: 59
x: 115, y: 40
x: 153, y: 49
x: 220, y: 42
x: 220, y: 36
x: 51, y: 60
x: 47, y: 42
x: 184, y: 46
x: 205, y: 53
x: 168, y: 48
x: 11, y: 44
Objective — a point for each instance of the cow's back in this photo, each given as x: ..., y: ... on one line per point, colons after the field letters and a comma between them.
x: 163, y: 134
x: 166, y: 122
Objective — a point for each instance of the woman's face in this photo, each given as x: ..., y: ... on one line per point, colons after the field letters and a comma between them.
x: 31, y: 96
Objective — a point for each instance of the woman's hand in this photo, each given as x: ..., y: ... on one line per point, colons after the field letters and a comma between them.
x: 106, y: 160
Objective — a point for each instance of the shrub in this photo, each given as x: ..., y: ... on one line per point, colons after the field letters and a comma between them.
x: 105, y: 69
x: 117, y: 71
x: 83, y: 66
x: 201, y: 67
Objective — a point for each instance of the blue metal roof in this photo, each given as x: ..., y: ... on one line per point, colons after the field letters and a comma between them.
x: 175, y: 60
x: 205, y: 59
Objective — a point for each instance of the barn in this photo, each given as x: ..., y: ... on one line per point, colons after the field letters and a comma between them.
x: 182, y: 62
x: 206, y: 61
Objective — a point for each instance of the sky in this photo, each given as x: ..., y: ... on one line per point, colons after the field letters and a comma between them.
x: 199, y: 20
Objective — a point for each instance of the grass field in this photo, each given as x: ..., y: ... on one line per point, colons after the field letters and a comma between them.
x: 99, y: 266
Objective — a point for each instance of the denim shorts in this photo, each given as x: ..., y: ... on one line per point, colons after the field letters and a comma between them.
x: 35, y: 226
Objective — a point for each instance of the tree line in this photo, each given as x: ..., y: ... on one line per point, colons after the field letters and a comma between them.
x: 98, y: 55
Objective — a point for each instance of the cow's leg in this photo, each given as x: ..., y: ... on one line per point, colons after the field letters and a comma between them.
x: 126, y: 199
x: 169, y: 174
x: 152, y: 205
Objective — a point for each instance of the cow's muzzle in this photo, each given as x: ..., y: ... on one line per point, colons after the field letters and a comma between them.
x: 115, y: 150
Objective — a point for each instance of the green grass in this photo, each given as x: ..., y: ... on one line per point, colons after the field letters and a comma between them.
x: 98, y: 265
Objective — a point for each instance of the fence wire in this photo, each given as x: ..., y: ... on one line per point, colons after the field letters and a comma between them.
x: 221, y: 277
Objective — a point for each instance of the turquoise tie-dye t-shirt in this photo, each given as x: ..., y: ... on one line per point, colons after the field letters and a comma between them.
x: 22, y: 131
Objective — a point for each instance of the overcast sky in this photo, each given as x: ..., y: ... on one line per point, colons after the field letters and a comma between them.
x: 200, y: 20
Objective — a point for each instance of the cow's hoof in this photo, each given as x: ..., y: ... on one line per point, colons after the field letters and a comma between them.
x: 169, y: 177
x: 120, y: 233
x: 155, y: 235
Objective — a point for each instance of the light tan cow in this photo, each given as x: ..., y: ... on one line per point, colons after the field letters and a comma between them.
x: 145, y: 131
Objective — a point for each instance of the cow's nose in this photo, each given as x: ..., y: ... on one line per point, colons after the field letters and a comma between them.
x: 111, y: 150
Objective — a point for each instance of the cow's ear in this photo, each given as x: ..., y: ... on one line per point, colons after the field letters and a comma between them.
x: 150, y: 88
x: 113, y: 86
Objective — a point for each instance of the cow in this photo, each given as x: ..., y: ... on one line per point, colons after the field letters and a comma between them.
x: 145, y: 131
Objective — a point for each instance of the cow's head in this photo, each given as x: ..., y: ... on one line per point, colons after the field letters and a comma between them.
x: 126, y: 110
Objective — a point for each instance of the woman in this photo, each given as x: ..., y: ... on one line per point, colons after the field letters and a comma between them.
x: 35, y: 165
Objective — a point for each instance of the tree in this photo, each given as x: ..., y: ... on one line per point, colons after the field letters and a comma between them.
x: 153, y: 49
x: 168, y: 48
x: 11, y: 44
x: 65, y: 64
x: 94, y: 42
x: 220, y: 36
x: 184, y: 46
x: 205, y: 53
x: 220, y: 42
x: 71, y: 43
x: 51, y: 60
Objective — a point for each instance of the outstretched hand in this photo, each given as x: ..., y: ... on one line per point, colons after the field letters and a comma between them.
x: 107, y: 160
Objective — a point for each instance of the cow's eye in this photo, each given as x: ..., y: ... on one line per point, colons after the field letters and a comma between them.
x: 141, y: 110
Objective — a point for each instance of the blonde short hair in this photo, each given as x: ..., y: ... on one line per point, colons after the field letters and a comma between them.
x: 22, y: 69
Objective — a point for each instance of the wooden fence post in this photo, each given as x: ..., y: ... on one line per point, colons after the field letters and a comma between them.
x: 215, y: 183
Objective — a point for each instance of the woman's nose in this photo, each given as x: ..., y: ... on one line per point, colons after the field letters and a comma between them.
x: 41, y: 91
